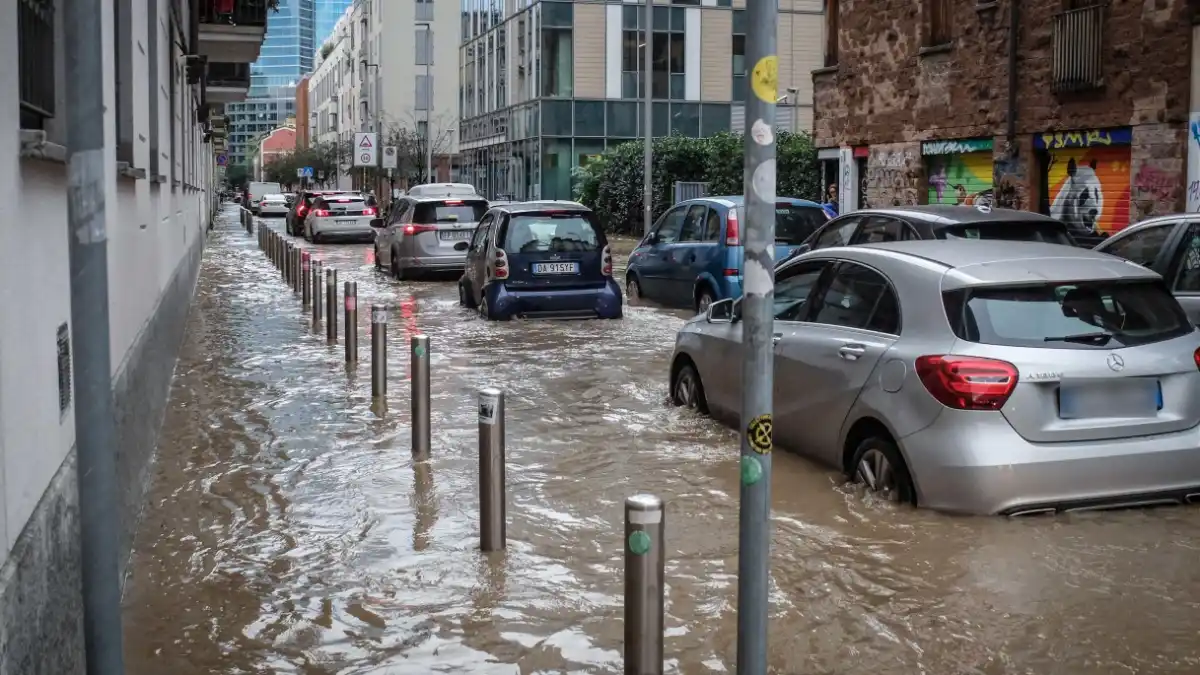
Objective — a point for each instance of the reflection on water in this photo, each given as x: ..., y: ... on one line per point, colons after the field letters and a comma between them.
x: 288, y: 530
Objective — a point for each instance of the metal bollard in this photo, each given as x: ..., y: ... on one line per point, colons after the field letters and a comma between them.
x: 305, y: 277
x: 271, y: 246
x: 493, y: 517
x: 419, y: 372
x: 644, y: 566
x: 297, y: 268
x: 350, y: 300
x: 378, y: 350
x: 331, y: 306
x: 315, y: 283
x: 287, y: 260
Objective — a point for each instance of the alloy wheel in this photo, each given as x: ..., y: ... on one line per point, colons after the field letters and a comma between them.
x: 702, y: 304
x: 685, y: 388
x: 876, y: 472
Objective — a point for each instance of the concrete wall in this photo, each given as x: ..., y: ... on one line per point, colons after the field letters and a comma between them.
x: 156, y: 230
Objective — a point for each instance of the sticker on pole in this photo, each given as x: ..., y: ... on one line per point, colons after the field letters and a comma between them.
x: 639, y: 542
x: 764, y: 79
x: 378, y: 315
x: 488, y: 403
x: 351, y: 303
x: 758, y: 434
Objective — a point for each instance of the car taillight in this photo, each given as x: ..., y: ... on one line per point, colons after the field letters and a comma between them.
x: 606, y: 262
x: 320, y: 213
x: 1196, y: 358
x: 731, y: 230
x: 368, y: 211
x: 417, y: 229
x: 500, y: 265
x: 968, y: 382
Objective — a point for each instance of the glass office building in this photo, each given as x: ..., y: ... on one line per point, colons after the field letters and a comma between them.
x: 286, y: 55
x: 328, y: 13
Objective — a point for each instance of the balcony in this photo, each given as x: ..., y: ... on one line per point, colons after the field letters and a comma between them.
x: 233, y: 37
x: 1078, y: 58
x: 228, y: 82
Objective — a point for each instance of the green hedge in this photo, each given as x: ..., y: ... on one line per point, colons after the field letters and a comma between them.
x: 611, y: 184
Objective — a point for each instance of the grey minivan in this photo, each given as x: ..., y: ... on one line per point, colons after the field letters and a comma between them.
x: 428, y: 234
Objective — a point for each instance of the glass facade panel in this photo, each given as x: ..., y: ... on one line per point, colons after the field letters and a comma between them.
x: 558, y: 14
x: 685, y: 119
x: 589, y: 118
x: 624, y: 119
x: 556, y: 168
x: 556, y: 117
x: 662, y: 119
x: 558, y: 74
x: 714, y: 118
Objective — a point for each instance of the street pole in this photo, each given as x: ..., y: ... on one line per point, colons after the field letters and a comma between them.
x: 648, y: 120
x: 429, y: 103
x: 758, y: 268
x: 95, y: 432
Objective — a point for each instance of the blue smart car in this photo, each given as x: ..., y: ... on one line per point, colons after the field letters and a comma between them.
x: 692, y: 256
x: 540, y: 260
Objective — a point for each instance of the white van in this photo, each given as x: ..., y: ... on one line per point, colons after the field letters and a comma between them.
x: 258, y: 191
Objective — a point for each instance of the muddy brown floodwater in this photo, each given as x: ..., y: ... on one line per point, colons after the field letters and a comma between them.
x: 287, y: 532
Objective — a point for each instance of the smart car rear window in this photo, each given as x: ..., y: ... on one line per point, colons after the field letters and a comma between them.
x: 1080, y: 315
x: 552, y: 232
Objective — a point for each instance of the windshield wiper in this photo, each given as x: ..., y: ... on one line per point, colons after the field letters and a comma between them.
x: 1101, y: 338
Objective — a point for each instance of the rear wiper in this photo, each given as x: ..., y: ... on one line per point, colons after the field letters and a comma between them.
x: 1101, y: 338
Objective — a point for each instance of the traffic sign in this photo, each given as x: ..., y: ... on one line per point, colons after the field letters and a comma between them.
x: 299, y: 173
x: 222, y: 160
x: 366, y: 151
x: 391, y: 157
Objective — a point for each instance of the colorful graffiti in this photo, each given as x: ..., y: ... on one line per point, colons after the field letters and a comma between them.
x: 1088, y: 188
x: 1193, y: 164
x: 1091, y: 138
x: 960, y: 179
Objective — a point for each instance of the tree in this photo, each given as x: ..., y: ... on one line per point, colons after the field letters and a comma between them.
x: 237, y: 176
x: 412, y: 145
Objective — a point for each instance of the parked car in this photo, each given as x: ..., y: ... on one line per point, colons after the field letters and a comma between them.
x: 273, y: 205
x: 343, y: 217
x: 300, y: 207
x: 257, y: 190
x: 693, y: 254
x: 903, y: 223
x: 540, y: 260
x: 1169, y: 245
x: 983, y: 377
x: 428, y: 231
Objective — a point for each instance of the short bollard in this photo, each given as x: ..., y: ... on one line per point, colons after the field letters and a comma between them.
x: 286, y: 263
x: 331, y: 306
x: 350, y: 301
x: 297, y: 272
x: 315, y: 282
x: 378, y: 350
x: 305, y: 278
x: 419, y: 372
x: 271, y: 247
x: 492, y: 507
x: 644, y: 566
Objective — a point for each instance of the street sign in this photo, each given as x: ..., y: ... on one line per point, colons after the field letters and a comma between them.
x: 299, y: 173
x: 222, y: 160
x: 366, y: 151
x: 391, y: 157
x: 308, y: 172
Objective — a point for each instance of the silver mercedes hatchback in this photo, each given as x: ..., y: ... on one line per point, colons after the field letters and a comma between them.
x: 989, y: 377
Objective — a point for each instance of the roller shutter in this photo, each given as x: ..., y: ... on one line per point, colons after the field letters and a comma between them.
x: 1088, y: 188
x: 964, y: 178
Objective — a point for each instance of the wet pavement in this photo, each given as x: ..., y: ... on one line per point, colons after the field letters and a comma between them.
x: 287, y: 530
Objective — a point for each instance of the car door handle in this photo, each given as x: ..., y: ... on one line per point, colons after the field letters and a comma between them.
x: 851, y: 352
x: 776, y: 338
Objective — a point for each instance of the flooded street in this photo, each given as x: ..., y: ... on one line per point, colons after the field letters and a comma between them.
x: 287, y: 530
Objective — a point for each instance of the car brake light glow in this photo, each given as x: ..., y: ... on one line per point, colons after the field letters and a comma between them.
x: 606, y: 262
x: 731, y: 229
x: 499, y: 268
x: 343, y: 201
x: 453, y: 202
x: 731, y: 272
x: 417, y: 229
x: 968, y: 382
x: 1196, y: 358
x: 320, y: 213
x: 301, y: 210
x: 368, y: 211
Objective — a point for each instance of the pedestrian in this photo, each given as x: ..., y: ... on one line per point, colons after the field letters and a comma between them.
x: 831, y: 201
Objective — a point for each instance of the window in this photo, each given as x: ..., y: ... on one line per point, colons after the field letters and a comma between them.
x: 692, y: 229
x: 1079, y: 315
x: 1049, y: 231
x: 876, y: 229
x: 794, y: 223
x: 793, y: 287
x: 739, y: 64
x: 481, y: 233
x: 1142, y: 246
x: 623, y: 119
x: 449, y: 211
x: 424, y: 51
x: 1187, y: 268
x: 712, y: 226
x: 714, y: 118
x: 123, y: 46
x: 831, y: 32
x: 668, y: 228
x: 589, y: 118
x: 35, y: 61
x: 565, y: 232
x: 557, y: 60
x: 837, y: 233
x: 858, y: 297
x: 940, y: 22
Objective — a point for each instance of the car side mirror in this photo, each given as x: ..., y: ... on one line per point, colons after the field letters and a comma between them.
x: 720, y: 311
x: 650, y: 240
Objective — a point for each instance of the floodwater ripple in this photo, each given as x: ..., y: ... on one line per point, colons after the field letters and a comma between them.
x: 288, y: 531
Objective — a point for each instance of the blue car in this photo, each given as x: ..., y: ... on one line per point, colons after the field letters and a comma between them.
x: 540, y: 260
x: 692, y: 256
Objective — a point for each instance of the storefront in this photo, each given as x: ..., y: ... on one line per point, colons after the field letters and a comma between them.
x: 958, y: 171
x: 1085, y: 178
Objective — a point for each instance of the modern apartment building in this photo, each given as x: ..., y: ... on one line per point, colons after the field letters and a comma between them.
x: 287, y: 54
x: 545, y: 85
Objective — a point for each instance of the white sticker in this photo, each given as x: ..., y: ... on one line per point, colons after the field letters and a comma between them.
x: 378, y: 314
x: 645, y: 517
x: 488, y: 403
x: 761, y: 132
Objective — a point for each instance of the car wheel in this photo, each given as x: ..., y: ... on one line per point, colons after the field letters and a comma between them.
x: 704, y: 300
x: 397, y: 272
x: 485, y: 312
x: 879, y: 467
x: 378, y: 262
x: 465, y: 297
x: 633, y: 289
x: 686, y: 390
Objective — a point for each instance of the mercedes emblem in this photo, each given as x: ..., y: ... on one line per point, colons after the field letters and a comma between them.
x: 1116, y: 363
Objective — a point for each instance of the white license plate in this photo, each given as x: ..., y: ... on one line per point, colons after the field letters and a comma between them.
x: 455, y: 235
x: 1134, y: 397
x: 345, y: 221
x: 556, y: 268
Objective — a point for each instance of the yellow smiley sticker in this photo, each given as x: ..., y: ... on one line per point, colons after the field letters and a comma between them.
x: 764, y: 79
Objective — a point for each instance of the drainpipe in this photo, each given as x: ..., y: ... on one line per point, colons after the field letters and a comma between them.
x: 1014, y: 18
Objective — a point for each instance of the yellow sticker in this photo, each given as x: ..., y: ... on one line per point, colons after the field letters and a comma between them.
x: 759, y: 433
x: 764, y: 79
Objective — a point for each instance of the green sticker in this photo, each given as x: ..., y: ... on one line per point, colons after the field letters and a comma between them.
x: 639, y: 543
x: 751, y: 470
x: 419, y: 351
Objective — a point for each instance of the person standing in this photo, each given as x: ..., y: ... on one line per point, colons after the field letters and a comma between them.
x: 831, y: 201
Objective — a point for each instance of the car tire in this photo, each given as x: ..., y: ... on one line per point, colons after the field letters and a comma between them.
x: 465, y: 297
x: 633, y: 289
x: 485, y: 312
x: 879, y: 467
x: 378, y: 264
x: 703, y: 299
x: 398, y: 273
x: 687, y: 391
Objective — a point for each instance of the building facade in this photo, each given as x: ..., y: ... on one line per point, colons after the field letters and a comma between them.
x: 546, y: 85
x: 303, y: 129
x: 327, y: 14
x: 279, y: 142
x: 1084, y: 117
x: 158, y: 198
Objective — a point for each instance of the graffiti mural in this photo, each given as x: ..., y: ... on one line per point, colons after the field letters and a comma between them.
x: 960, y: 179
x: 1193, y: 163
x: 1088, y: 188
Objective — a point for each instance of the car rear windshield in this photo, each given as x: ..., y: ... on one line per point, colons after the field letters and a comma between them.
x: 1051, y: 233
x: 793, y: 223
x: 1080, y: 315
x: 552, y: 233
x: 449, y: 211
